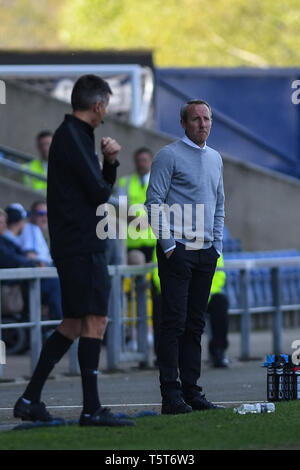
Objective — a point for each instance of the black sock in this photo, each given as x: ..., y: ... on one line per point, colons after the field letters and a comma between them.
x: 88, y: 357
x: 53, y: 350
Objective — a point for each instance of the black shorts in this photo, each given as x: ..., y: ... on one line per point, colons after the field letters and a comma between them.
x: 85, y: 285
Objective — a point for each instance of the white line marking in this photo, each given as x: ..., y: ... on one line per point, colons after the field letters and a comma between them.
x: 145, y: 404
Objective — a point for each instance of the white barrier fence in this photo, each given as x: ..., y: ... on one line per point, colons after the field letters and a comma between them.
x: 115, y: 352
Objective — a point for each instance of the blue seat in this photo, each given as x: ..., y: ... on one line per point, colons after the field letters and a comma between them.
x: 260, y: 280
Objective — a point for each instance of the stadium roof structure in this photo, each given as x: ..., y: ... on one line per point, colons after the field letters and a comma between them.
x: 44, y: 69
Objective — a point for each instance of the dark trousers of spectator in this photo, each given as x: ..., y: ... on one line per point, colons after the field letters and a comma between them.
x: 219, y: 322
x: 51, y: 296
x: 185, y: 279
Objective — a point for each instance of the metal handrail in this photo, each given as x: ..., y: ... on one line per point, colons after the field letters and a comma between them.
x: 15, y: 153
x: 20, y: 169
x: 34, y: 275
x: 114, y: 355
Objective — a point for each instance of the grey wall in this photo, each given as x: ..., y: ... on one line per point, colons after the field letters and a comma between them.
x: 27, y: 112
x: 262, y: 207
x: 15, y: 192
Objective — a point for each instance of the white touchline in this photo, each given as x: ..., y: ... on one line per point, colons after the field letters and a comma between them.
x: 147, y: 404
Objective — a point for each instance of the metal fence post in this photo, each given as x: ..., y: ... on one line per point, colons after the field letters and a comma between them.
x: 113, y: 335
x: 245, y: 317
x: 35, y: 317
x: 277, y: 320
x: 142, y: 324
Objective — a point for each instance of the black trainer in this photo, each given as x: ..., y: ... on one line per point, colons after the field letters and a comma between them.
x: 199, y: 403
x: 104, y: 417
x: 31, y: 411
x: 175, y: 407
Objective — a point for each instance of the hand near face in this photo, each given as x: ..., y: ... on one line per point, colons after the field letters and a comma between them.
x: 110, y: 149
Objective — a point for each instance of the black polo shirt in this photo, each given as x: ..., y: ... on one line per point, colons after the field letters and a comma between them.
x: 76, y: 187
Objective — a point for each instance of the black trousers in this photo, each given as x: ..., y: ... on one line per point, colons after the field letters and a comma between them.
x: 185, y: 279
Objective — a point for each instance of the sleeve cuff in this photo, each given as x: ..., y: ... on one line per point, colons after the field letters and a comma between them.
x: 168, y: 244
x: 218, y: 245
x: 169, y: 249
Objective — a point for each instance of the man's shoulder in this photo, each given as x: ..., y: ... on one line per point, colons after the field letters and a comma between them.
x: 214, y: 153
x: 172, y: 147
x: 168, y: 151
x: 8, y: 243
x: 30, y: 228
x: 61, y: 129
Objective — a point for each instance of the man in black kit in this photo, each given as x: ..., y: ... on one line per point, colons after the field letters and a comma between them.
x: 77, y: 184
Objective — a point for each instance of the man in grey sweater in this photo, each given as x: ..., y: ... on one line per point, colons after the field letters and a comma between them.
x: 185, y: 203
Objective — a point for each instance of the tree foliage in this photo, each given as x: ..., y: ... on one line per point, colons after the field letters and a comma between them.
x: 189, y: 32
x: 29, y: 24
x: 180, y: 32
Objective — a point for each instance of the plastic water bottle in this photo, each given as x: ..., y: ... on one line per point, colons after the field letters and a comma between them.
x: 255, y: 408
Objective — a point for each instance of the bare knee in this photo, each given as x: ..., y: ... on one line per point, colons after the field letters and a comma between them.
x: 94, y: 326
x: 71, y: 328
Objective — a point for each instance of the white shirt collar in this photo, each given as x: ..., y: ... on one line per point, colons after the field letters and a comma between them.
x: 145, y: 178
x: 189, y: 142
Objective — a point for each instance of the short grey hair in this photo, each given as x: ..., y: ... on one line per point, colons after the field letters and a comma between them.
x: 184, y: 108
x: 87, y: 90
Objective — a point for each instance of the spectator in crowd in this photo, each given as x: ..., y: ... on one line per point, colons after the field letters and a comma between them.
x: 3, y: 221
x: 12, y: 256
x: 217, y: 310
x: 16, y: 219
x: 39, y: 165
x: 134, y: 187
x: 139, y: 248
x: 32, y: 239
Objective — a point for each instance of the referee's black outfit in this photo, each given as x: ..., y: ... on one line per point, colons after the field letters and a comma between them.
x: 76, y: 187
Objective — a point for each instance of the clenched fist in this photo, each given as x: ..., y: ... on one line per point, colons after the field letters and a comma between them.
x: 110, y: 149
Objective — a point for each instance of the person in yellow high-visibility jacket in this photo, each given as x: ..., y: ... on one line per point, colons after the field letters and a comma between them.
x: 39, y: 165
x: 135, y: 187
x: 218, y: 314
x: 217, y: 309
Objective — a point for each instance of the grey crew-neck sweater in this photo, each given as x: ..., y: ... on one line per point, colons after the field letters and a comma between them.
x: 183, y: 175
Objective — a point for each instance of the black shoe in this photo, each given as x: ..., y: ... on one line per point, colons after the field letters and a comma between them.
x: 199, y: 403
x: 32, y: 411
x: 104, y: 417
x: 175, y: 407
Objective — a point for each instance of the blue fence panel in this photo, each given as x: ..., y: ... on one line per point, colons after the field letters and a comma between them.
x: 260, y: 280
x: 254, y: 118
